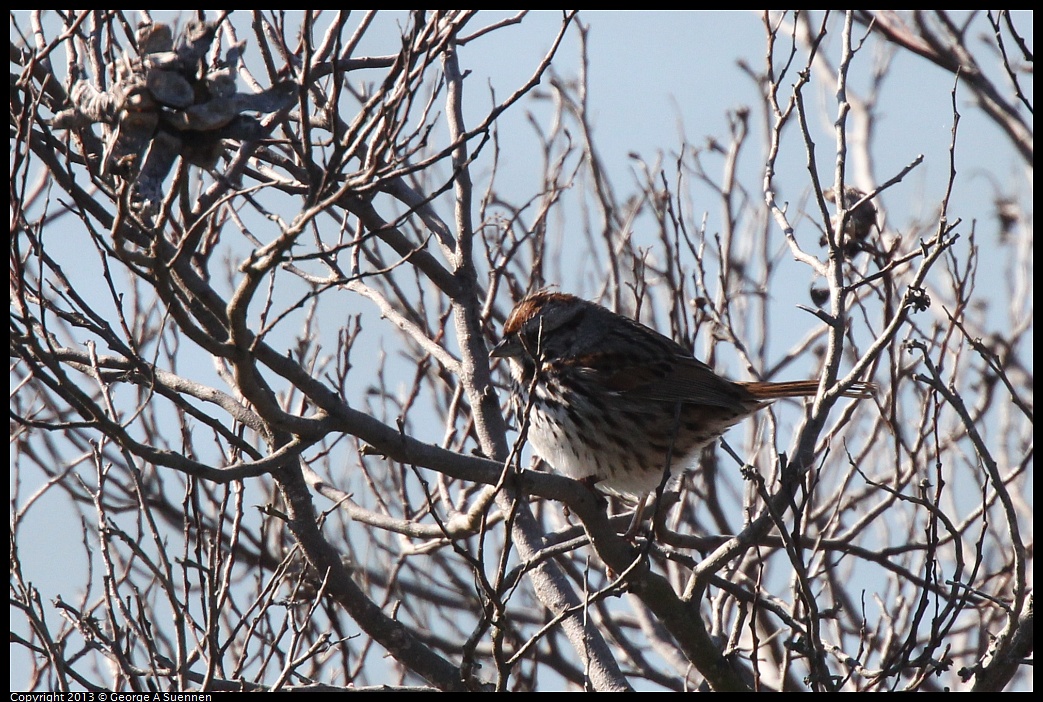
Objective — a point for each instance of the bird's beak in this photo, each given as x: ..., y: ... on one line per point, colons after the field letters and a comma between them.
x: 508, y: 347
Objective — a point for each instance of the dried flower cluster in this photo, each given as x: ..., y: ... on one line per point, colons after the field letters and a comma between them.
x: 168, y: 103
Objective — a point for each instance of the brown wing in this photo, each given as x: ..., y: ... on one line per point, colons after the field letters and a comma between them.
x: 673, y: 378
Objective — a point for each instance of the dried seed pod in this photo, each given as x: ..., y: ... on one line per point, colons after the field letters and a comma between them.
x: 154, y: 38
x: 194, y: 42
x: 170, y: 88
x: 159, y: 159
x: 164, y: 104
x: 220, y: 84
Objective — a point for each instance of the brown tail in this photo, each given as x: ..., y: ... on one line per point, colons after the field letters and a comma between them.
x: 803, y: 388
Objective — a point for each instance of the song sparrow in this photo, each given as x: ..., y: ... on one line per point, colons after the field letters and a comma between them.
x: 614, y: 403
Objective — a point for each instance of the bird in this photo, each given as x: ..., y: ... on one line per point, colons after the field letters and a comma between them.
x: 615, y: 404
x: 860, y: 222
